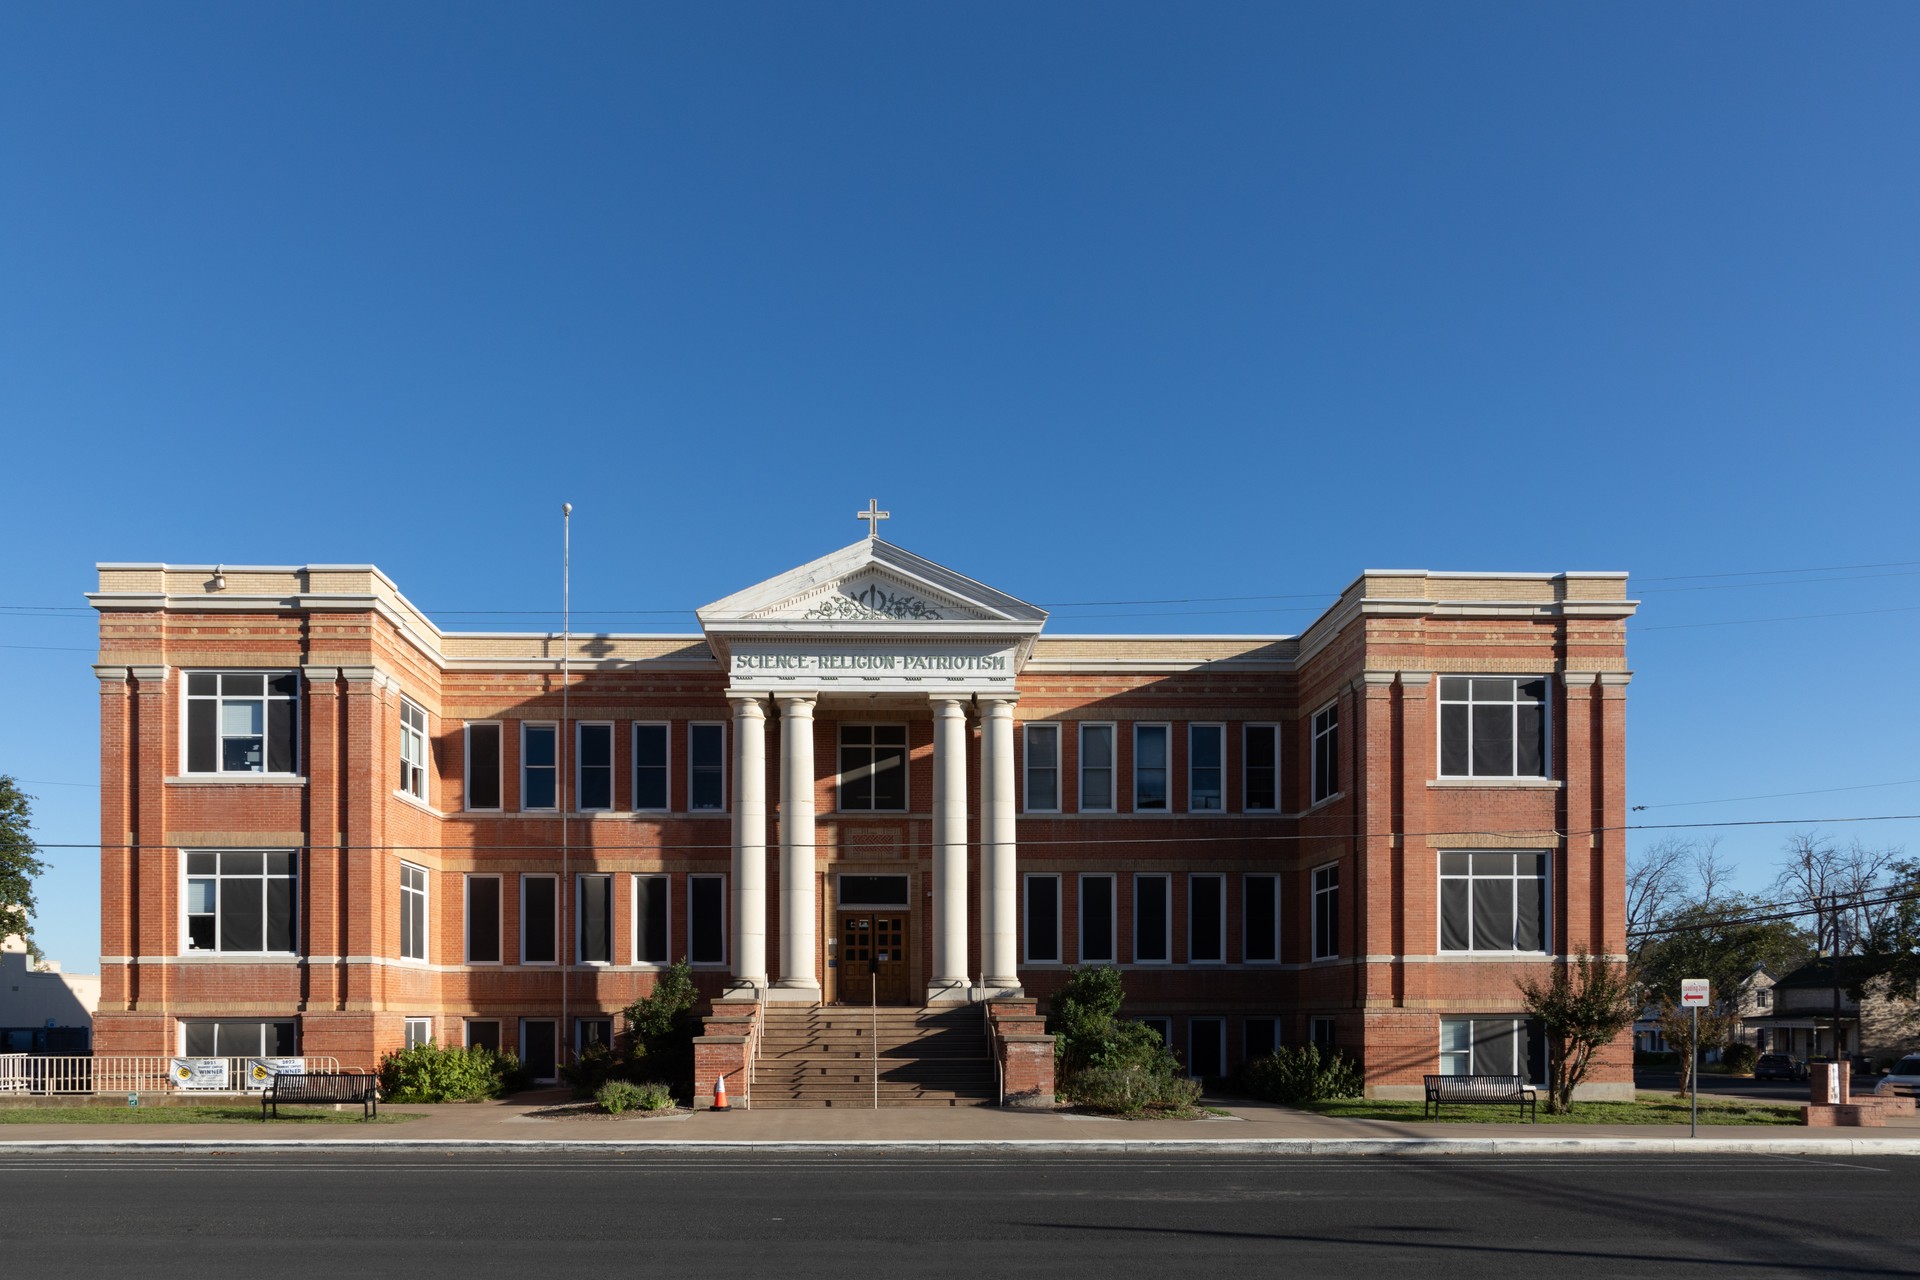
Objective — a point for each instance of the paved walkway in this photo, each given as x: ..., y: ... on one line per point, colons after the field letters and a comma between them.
x: 1251, y: 1127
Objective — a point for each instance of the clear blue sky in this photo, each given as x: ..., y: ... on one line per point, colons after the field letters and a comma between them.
x: 1104, y: 302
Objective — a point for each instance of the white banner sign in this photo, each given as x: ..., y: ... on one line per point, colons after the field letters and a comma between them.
x: 261, y: 1070
x: 198, y: 1073
x: 1693, y: 993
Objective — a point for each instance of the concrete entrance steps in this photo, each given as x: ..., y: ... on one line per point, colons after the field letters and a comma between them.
x: 829, y: 1055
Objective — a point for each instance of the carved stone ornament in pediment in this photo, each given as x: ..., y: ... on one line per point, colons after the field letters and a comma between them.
x: 871, y: 598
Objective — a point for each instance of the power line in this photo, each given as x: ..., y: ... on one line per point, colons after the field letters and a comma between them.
x: 1776, y: 795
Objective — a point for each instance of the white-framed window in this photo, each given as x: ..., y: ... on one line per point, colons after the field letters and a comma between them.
x: 413, y: 912
x: 1326, y: 911
x: 652, y: 917
x: 483, y: 1033
x: 1260, y: 768
x: 1326, y: 752
x: 1260, y: 1036
x: 707, y: 768
x: 1096, y: 768
x: 240, y: 1038
x: 483, y: 919
x: 1496, y: 1045
x: 593, y: 766
x: 1151, y: 753
x: 1206, y: 768
x: 593, y: 905
x: 414, y: 763
x: 1096, y: 918
x: 873, y: 768
x: 539, y: 919
x: 1042, y: 917
x: 1152, y: 918
x: 1206, y: 918
x: 707, y: 919
x: 1493, y: 901
x: 419, y: 1032
x: 483, y: 764
x: 539, y: 765
x: 1322, y: 1033
x: 241, y: 901
x: 1493, y: 727
x: 1260, y: 918
x: 242, y: 721
x: 1162, y: 1027
x: 1206, y: 1048
x: 652, y: 778
x: 540, y: 1049
x: 588, y: 1032
x: 1042, y: 757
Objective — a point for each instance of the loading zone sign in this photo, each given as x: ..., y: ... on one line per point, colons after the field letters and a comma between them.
x: 1693, y: 993
x: 198, y: 1073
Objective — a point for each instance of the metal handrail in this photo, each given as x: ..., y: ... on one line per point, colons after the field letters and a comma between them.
x: 873, y: 1046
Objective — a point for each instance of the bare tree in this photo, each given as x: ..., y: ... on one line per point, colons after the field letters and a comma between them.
x: 1711, y: 871
x: 1656, y: 884
x: 1839, y: 886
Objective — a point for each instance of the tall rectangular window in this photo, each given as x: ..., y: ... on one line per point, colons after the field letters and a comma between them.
x: 1322, y: 1033
x: 1206, y: 919
x: 419, y: 1032
x: 1495, y: 1046
x: 1493, y: 727
x: 483, y: 766
x: 650, y: 768
x: 1326, y: 752
x: 707, y: 919
x: 240, y: 900
x: 539, y: 919
x: 594, y: 763
x: 1096, y: 919
x: 483, y: 1033
x: 1262, y: 1037
x: 1206, y: 1048
x: 1326, y: 911
x: 413, y: 912
x: 1150, y: 768
x: 873, y: 767
x: 413, y: 750
x: 539, y: 766
x: 706, y: 768
x: 594, y: 925
x: 651, y: 943
x: 1043, y: 768
x: 1261, y: 768
x: 1493, y: 901
x: 1096, y: 768
x: 1260, y: 919
x: 483, y: 919
x: 1043, y: 919
x: 1206, y: 768
x: 242, y: 721
x: 1152, y: 906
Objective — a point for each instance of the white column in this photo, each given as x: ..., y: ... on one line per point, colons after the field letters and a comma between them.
x: 999, y: 898
x: 797, y: 979
x: 949, y: 981
x: 749, y: 848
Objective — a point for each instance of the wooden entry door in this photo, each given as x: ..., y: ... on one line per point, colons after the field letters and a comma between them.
x: 873, y: 958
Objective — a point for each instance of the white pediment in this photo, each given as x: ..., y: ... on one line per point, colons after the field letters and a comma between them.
x: 871, y: 581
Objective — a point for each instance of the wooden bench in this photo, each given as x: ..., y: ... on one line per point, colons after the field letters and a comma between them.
x: 321, y: 1087
x: 1490, y: 1090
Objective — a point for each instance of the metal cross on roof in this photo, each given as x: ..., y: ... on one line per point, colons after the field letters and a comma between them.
x: 873, y: 515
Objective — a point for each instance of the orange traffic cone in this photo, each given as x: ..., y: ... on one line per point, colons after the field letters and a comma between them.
x: 720, y: 1093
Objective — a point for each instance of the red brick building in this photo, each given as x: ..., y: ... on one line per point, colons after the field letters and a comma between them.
x: 331, y: 827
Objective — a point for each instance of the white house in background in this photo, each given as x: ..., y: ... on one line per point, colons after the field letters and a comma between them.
x: 43, y: 1010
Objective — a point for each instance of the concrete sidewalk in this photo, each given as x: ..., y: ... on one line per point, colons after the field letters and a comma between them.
x: 1251, y: 1127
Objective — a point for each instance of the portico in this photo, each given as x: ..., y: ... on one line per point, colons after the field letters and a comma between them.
x: 873, y: 631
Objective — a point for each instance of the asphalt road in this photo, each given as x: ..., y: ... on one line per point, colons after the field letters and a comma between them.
x: 467, y: 1214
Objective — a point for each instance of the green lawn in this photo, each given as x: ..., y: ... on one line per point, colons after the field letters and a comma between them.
x: 238, y: 1113
x: 1648, y: 1108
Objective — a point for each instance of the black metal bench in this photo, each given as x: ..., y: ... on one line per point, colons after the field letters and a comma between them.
x: 1484, y: 1090
x: 323, y: 1087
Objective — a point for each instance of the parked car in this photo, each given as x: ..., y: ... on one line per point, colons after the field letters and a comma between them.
x: 1902, y: 1081
x: 1779, y: 1066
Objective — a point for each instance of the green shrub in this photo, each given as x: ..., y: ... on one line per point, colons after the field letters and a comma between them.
x: 1739, y: 1058
x: 616, y: 1096
x: 596, y: 1065
x: 1133, y: 1087
x: 1301, y: 1073
x: 1108, y: 1063
x: 660, y: 1029
x: 429, y: 1073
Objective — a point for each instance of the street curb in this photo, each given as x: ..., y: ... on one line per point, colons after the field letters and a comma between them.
x: 1294, y: 1147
